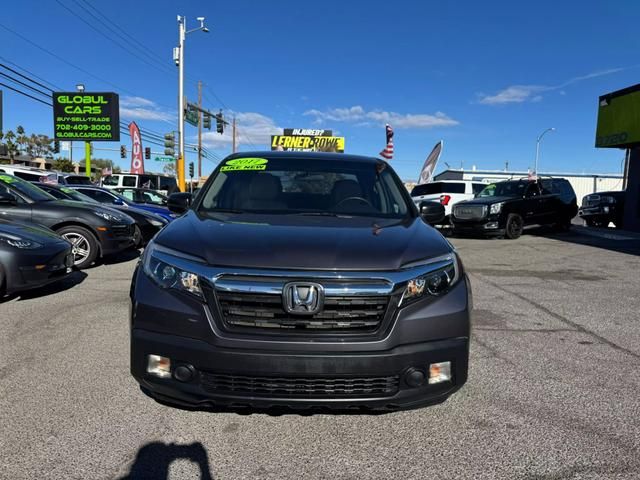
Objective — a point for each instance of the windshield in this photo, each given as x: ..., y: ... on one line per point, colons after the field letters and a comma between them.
x: 504, y: 189
x: 27, y: 189
x: 77, y: 196
x: 437, y: 187
x: 305, y: 186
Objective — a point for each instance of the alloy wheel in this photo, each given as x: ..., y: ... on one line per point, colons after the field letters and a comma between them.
x: 81, y: 248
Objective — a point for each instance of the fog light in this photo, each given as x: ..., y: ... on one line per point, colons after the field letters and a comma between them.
x: 159, y: 366
x: 606, y: 209
x: 439, y: 372
x: 491, y: 225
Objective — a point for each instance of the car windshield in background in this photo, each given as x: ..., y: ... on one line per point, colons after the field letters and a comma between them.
x: 305, y: 186
x: 27, y: 189
x: 504, y: 189
x: 77, y: 196
x: 437, y: 187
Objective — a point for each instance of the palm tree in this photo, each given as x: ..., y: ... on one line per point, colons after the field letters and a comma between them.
x: 11, y: 146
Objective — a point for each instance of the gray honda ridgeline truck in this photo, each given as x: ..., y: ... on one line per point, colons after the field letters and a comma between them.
x: 300, y: 280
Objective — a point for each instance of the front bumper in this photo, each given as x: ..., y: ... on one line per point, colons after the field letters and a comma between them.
x: 247, y: 374
x: 116, y: 239
x: 29, y: 270
x: 486, y: 227
x: 597, y: 212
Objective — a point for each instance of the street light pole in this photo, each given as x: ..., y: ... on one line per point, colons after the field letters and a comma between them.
x: 551, y: 129
x: 179, y: 58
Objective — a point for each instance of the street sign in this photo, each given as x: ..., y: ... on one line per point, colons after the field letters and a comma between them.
x: 191, y: 116
x: 164, y: 158
x: 91, y: 117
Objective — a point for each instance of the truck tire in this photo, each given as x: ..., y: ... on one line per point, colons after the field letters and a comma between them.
x: 514, y: 226
x: 85, y: 245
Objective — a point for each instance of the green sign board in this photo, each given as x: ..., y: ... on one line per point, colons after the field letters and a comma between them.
x: 92, y: 117
x: 191, y: 116
x: 619, y: 119
x: 164, y: 158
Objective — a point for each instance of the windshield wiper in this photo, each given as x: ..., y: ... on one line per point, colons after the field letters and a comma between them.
x: 224, y: 210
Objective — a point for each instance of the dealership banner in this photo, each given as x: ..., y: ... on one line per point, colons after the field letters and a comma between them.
x: 137, y: 162
x: 307, y: 132
x: 307, y: 143
x: 91, y: 117
x: 426, y: 175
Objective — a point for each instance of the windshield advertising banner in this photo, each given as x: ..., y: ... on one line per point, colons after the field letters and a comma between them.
x: 91, y: 117
x: 307, y: 140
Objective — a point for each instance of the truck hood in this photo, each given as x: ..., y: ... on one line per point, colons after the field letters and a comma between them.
x: 303, y: 242
x: 487, y: 200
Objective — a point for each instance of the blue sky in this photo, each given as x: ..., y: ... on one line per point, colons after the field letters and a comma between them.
x: 487, y: 77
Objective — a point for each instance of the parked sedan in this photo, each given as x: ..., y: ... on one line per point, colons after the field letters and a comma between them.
x: 147, y: 223
x: 93, y: 231
x: 31, y: 257
x: 111, y: 198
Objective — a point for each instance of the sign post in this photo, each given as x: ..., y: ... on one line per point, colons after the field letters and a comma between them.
x: 87, y: 158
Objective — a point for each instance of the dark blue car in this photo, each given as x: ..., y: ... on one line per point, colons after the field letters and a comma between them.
x: 109, y: 197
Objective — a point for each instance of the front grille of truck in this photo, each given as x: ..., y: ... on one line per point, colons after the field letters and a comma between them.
x: 301, y: 387
x: 353, y: 313
x: 591, y: 201
x: 469, y: 212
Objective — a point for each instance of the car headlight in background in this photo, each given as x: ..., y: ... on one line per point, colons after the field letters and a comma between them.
x: 608, y: 199
x: 495, y: 208
x: 434, y: 283
x: 109, y: 217
x: 168, y: 276
x: 19, y: 242
x: 157, y: 222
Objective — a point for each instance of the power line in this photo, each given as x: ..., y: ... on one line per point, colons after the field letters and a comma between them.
x: 32, y: 74
x: 111, y: 39
x: 124, y: 32
x: 25, y: 77
x: 25, y: 94
x: 80, y: 69
x: 9, y: 77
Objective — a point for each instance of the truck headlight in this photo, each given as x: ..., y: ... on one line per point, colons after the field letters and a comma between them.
x: 434, y: 283
x: 157, y: 222
x: 166, y: 275
x: 19, y: 242
x: 495, y: 208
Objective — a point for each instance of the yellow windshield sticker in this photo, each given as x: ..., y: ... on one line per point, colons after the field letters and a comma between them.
x: 244, y: 164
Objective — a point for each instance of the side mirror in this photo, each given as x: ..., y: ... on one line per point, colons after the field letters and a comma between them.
x: 179, y: 202
x: 431, y: 212
x: 8, y: 199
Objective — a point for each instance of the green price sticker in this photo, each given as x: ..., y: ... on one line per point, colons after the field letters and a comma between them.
x: 7, y: 179
x: 244, y: 164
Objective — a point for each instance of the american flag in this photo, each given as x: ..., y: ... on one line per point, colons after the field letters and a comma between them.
x: 388, y: 150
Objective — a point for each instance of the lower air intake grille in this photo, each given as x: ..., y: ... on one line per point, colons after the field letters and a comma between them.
x: 304, y: 387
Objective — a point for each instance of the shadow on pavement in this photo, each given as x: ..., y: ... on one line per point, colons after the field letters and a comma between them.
x: 75, y: 278
x: 121, y: 257
x: 606, y: 238
x: 154, y: 459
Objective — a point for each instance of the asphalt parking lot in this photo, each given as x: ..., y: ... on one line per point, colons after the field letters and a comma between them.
x: 553, y: 389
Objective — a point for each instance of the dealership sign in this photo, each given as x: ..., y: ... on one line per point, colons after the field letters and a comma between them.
x: 92, y: 117
x: 307, y: 140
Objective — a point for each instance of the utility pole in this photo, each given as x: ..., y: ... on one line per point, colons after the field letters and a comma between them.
x: 199, y: 129
x: 234, y: 135
x: 178, y: 56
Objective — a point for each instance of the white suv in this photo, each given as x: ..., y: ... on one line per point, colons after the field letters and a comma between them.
x: 448, y: 192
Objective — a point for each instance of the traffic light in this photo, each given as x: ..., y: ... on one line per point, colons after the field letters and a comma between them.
x: 123, y: 151
x: 170, y: 144
x: 206, y: 121
x: 219, y: 123
x: 56, y: 146
x: 147, y: 153
x: 191, y: 171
